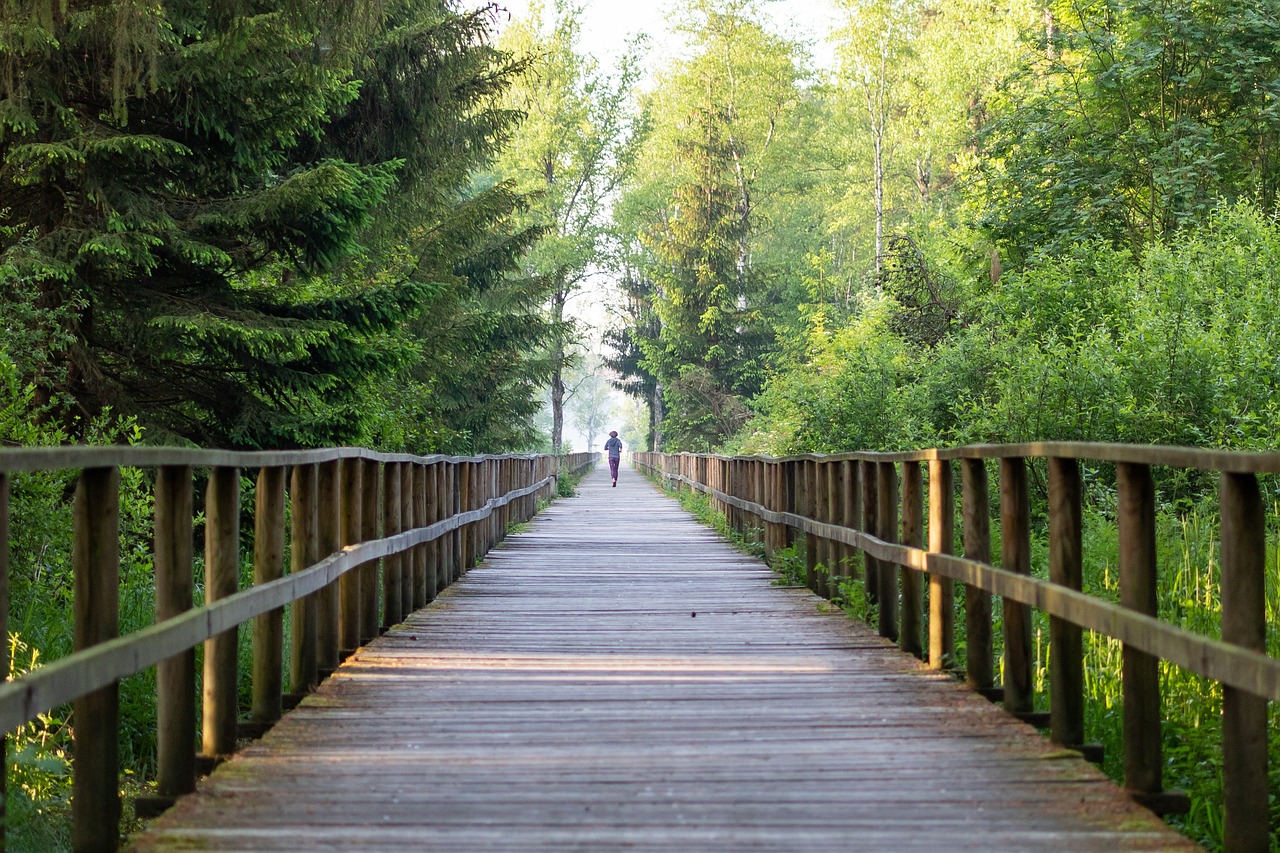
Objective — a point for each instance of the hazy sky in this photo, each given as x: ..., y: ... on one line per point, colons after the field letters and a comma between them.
x: 608, y: 24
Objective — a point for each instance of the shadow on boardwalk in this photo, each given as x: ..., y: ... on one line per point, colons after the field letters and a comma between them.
x: 617, y: 677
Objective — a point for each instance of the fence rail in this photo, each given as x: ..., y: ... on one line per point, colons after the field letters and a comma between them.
x: 873, y: 504
x: 427, y: 519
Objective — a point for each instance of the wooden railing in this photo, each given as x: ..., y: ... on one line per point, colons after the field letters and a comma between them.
x: 873, y: 503
x: 427, y: 519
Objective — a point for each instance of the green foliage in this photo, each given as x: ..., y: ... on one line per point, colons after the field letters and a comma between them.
x: 1133, y: 119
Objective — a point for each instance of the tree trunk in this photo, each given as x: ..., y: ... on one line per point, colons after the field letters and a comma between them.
x: 557, y: 358
x: 557, y: 401
x: 655, y: 417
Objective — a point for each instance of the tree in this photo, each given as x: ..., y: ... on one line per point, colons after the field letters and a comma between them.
x: 694, y: 218
x: 1135, y: 120
x: 245, y: 217
x: 433, y: 95
x: 874, y: 48
x: 155, y: 201
x: 574, y: 148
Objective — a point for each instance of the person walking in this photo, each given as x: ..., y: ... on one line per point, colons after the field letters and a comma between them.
x: 613, y: 447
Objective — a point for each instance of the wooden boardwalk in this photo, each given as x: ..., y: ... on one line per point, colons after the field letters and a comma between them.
x: 616, y: 677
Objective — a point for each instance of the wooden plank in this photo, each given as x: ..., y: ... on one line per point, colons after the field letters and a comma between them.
x: 1251, y: 671
x: 616, y: 676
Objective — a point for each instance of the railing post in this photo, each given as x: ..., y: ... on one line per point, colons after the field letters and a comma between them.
x: 349, y: 605
x: 431, y: 492
x: 391, y: 610
x: 1142, y: 750
x: 979, y: 660
x: 5, y: 663
x: 870, y: 526
x: 419, y: 501
x: 910, y: 637
x: 329, y: 522
x: 304, y: 548
x: 370, y: 500
x: 466, y: 503
x: 1244, y: 716
x: 1015, y: 556
x: 804, y: 507
x: 942, y: 535
x: 175, y: 677
x: 95, y: 797
x: 852, y: 509
x: 1066, y: 641
x: 836, y: 473
x: 457, y: 498
x: 407, y: 523
x: 887, y: 530
x: 268, y: 565
x: 775, y: 535
x: 822, y: 513
x: 758, y: 468
x: 221, y: 573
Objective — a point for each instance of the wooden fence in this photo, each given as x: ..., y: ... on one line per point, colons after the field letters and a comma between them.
x: 873, y: 503
x: 427, y: 519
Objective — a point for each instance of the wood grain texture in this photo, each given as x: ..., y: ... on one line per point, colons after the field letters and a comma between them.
x: 617, y: 677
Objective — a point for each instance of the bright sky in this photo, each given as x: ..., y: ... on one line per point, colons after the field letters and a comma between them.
x: 608, y: 24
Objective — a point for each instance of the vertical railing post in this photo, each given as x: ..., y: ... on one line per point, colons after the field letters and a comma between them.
x: 836, y: 493
x: 1015, y: 556
x: 1066, y: 641
x: 852, y: 509
x: 304, y: 548
x: 979, y: 660
x: 329, y: 524
x: 910, y: 638
x: 466, y: 503
x: 370, y: 500
x: 1141, y: 689
x: 887, y: 530
x: 458, y: 484
x: 392, y: 613
x: 349, y: 604
x: 774, y: 535
x: 4, y: 646
x: 1244, y: 715
x: 870, y: 526
x: 822, y: 513
x: 419, y: 520
x: 942, y: 535
x: 804, y: 507
x: 221, y: 576
x: 95, y: 797
x: 407, y: 522
x: 175, y: 677
x: 431, y: 492
x: 268, y: 565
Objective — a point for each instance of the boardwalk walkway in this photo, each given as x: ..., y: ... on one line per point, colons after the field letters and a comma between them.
x: 616, y: 677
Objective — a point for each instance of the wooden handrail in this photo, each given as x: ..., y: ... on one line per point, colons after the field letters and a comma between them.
x: 333, y: 587
x: 815, y: 494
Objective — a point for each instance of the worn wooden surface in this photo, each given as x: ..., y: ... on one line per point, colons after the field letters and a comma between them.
x: 616, y: 677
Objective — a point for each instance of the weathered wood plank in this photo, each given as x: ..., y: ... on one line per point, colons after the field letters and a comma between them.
x: 618, y: 677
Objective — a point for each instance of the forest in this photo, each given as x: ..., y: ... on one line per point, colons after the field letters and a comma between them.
x: 299, y: 223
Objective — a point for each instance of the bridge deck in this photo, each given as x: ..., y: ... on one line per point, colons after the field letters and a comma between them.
x: 618, y: 677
